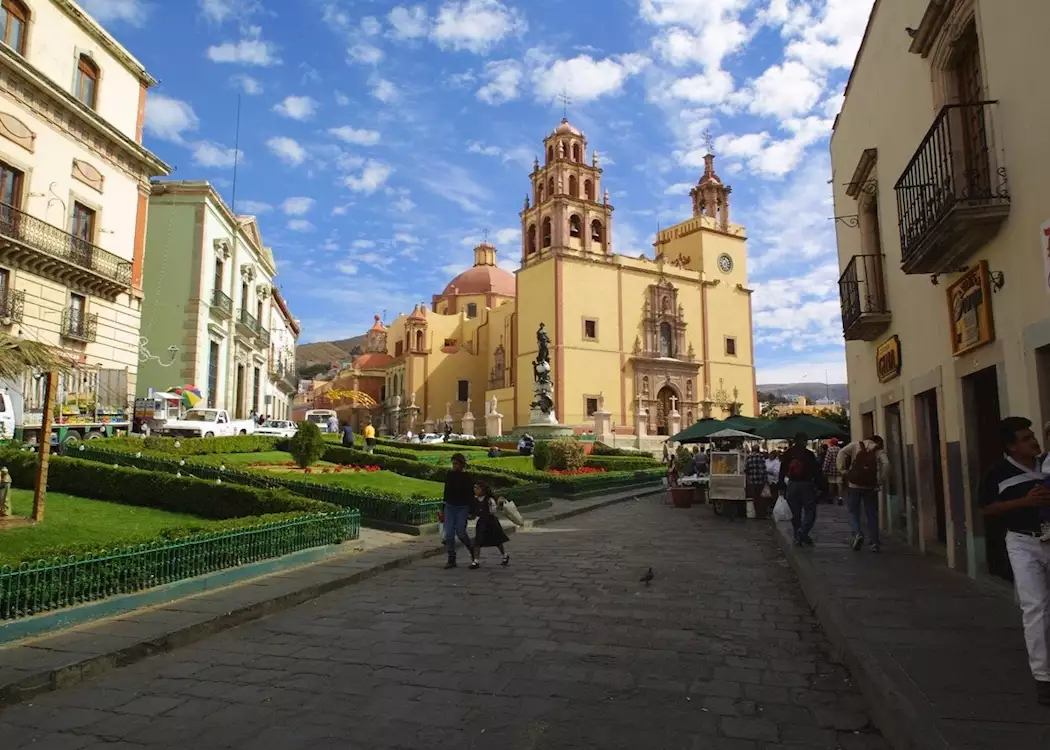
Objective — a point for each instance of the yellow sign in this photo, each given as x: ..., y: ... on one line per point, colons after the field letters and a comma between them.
x: 888, y: 359
x: 970, y: 310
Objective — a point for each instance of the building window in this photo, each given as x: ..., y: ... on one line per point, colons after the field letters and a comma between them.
x: 575, y: 225
x: 472, y: 310
x: 550, y: 154
x: 87, y: 81
x: 449, y: 343
x: 730, y: 346
x: 10, y: 187
x: 218, y: 276
x: 399, y: 348
x: 259, y: 311
x: 550, y: 187
x: 77, y: 326
x: 213, y: 375
x: 597, y: 232
x: 576, y: 152
x: 83, y: 223
x: 588, y: 190
x: 530, y: 241
x: 666, y: 340
x: 255, y: 389
x: 574, y: 186
x: 14, y: 17
x: 462, y: 390
x: 591, y: 406
x: 590, y: 329
x: 547, y: 232
x: 420, y: 341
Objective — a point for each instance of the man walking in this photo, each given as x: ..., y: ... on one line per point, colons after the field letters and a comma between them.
x: 1014, y: 490
x: 370, y: 437
x: 799, y: 477
x: 832, y: 475
x: 755, y: 481
x: 459, y: 497
x: 864, y: 467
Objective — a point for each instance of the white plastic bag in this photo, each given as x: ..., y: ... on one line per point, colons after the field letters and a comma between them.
x: 750, y: 508
x: 510, y: 510
x: 782, y: 511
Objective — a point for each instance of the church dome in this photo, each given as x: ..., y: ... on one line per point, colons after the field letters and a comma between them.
x: 482, y: 280
x: 566, y: 129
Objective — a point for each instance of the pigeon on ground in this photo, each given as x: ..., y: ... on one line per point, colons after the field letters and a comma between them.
x: 647, y: 577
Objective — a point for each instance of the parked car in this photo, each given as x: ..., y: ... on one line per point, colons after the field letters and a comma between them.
x: 207, y: 423
x: 277, y: 428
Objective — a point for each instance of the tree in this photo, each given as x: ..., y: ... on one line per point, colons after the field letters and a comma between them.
x: 836, y: 416
x: 769, y: 410
x: 307, y: 445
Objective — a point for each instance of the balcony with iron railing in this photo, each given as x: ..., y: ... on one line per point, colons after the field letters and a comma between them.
x: 953, y: 196
x: 221, y: 304
x: 43, y: 249
x: 78, y: 325
x: 862, y: 294
x: 248, y: 322
x: 12, y: 306
x: 262, y: 335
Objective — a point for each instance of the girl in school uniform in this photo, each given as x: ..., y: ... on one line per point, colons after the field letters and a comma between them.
x: 489, y: 531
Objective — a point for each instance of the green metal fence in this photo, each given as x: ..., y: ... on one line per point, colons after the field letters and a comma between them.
x: 46, y: 585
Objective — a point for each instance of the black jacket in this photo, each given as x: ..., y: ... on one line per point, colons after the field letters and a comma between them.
x: 459, y: 488
x: 809, y: 463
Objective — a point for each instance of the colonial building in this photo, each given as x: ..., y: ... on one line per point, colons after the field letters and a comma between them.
x: 283, y: 379
x: 209, y: 293
x: 74, y: 184
x: 943, y: 222
x: 660, y: 340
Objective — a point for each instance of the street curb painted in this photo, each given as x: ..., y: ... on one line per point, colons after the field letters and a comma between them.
x: 897, y: 707
x: 81, y: 670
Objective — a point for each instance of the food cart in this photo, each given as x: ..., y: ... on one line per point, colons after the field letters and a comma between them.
x: 726, y: 488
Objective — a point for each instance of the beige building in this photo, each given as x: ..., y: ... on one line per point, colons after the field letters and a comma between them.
x: 802, y: 405
x: 74, y: 184
x: 283, y: 380
x: 942, y: 211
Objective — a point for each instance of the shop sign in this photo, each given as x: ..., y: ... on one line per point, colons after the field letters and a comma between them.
x: 970, y: 310
x: 888, y: 359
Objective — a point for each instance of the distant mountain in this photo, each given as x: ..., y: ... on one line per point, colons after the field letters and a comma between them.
x: 837, y: 392
x: 326, y: 352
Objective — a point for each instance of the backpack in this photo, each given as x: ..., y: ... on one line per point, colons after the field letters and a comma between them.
x: 797, y: 470
x: 864, y: 469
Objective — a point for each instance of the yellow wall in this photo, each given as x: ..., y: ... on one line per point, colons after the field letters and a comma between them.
x: 536, y: 290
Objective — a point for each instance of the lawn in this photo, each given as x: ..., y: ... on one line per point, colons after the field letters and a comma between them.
x: 383, y: 481
x: 244, y: 460
x: 70, y: 520
x: 516, y: 463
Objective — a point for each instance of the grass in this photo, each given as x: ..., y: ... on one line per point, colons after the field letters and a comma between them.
x: 383, y: 481
x: 517, y: 463
x: 70, y: 520
x: 245, y: 460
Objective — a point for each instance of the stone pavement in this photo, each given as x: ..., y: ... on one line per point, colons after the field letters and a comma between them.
x: 940, y: 657
x: 563, y: 650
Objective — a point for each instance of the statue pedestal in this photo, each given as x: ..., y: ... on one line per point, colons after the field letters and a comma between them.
x: 602, y: 424
x: 411, y: 415
x: 493, y: 424
x: 674, y: 420
x: 641, y: 423
x: 544, y: 425
x: 467, y: 424
x: 428, y: 426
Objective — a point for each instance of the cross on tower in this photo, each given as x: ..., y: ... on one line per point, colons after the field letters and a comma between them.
x: 485, y: 234
x: 563, y: 97
x: 709, y: 141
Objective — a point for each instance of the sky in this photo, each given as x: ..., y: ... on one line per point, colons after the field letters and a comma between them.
x: 380, y: 141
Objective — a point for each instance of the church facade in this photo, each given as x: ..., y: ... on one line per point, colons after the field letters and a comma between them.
x: 665, y: 339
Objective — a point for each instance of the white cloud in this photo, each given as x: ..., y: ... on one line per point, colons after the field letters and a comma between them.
x: 803, y: 371
x: 355, y: 136
x: 452, y: 182
x: 208, y: 154
x: 132, y: 12
x: 247, y: 84
x: 251, y: 50
x: 220, y: 11
x: 287, y: 150
x: 367, y: 54
x: 507, y: 236
x: 253, y: 208
x: 503, y: 81
x: 296, y: 107
x: 408, y: 23
x: 583, y: 78
x: 297, y: 206
x: 679, y: 188
x: 762, y: 152
x: 710, y: 87
x: 341, y: 99
x: 372, y: 176
x: 475, y: 25
x: 520, y: 155
x: 406, y: 239
x: 300, y: 225
x: 370, y: 25
x: 786, y: 90
x: 347, y: 268
x: 362, y: 244
x: 384, y: 90
x: 169, y: 119
x: 477, y: 148
x: 340, y: 210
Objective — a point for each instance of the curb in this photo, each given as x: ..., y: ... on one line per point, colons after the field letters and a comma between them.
x: 76, y: 672
x: 901, y: 714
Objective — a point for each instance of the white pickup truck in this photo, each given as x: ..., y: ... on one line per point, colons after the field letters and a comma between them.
x: 207, y: 423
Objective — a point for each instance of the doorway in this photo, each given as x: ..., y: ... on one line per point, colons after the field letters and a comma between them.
x: 664, y: 406
x: 238, y: 404
x: 896, y: 492
x: 931, y: 472
x: 981, y: 417
x: 867, y: 424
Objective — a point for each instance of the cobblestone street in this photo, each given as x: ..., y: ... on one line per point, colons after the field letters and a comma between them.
x: 563, y: 649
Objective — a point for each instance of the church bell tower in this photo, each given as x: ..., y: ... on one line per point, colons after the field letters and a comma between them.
x: 567, y: 211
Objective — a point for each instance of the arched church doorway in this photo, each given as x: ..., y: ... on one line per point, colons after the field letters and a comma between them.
x: 665, y: 403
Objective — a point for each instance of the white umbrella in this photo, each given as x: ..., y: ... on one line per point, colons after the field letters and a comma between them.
x: 731, y: 433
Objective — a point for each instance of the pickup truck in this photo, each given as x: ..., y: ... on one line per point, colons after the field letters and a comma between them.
x: 207, y: 423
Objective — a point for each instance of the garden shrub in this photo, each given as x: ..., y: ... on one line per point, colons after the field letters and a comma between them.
x: 193, y: 446
x: 683, y: 460
x: 307, y: 445
x: 417, y: 469
x: 621, y: 463
x: 541, y: 455
x: 602, y: 449
x: 566, y: 454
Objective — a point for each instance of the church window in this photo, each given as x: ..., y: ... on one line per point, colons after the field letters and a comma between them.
x: 590, y: 329
x: 539, y: 192
x: 597, y: 232
x: 449, y: 343
x: 550, y: 154
x: 591, y: 405
x: 575, y: 226
x: 472, y: 310
x: 645, y: 386
x: 547, y: 232
x: 576, y: 152
x: 399, y: 348
x: 730, y: 346
x: 588, y: 190
x: 550, y: 188
x: 574, y: 186
x: 530, y: 246
x: 666, y: 340
x: 462, y: 390
x: 419, y: 341
x: 689, y: 389
x: 499, y: 364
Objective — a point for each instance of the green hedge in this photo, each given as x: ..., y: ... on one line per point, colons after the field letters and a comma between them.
x: 421, y: 469
x: 603, y: 449
x: 621, y: 463
x: 194, y: 446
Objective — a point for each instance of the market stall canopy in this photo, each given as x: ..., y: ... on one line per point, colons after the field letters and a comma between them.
x: 747, y: 424
x: 698, y: 431
x: 728, y: 433
x: 815, y: 428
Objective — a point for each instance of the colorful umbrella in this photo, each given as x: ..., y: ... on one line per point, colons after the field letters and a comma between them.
x: 189, y: 394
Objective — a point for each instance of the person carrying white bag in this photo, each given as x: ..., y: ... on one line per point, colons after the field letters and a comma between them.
x: 782, y: 511
x: 509, y: 509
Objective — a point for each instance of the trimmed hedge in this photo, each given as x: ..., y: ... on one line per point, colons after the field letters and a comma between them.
x: 194, y: 446
x: 603, y: 449
x: 621, y: 463
x: 421, y: 469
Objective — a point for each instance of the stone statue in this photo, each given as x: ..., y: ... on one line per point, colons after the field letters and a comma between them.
x: 495, y: 405
x: 535, y: 164
x: 543, y: 341
x: 601, y: 401
x: 526, y: 202
x: 561, y: 185
x: 543, y: 402
x: 561, y: 149
x: 397, y: 401
x: 412, y: 400
x: 605, y: 197
x: 594, y: 159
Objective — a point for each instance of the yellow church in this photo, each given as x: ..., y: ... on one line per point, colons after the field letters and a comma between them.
x: 655, y: 343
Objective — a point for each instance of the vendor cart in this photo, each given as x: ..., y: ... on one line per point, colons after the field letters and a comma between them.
x: 726, y: 489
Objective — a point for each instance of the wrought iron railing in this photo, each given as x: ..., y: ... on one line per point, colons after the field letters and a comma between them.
x: 12, y: 305
x: 47, y: 585
x: 221, y: 301
x: 79, y: 325
x: 248, y: 320
x: 861, y: 289
x: 956, y: 164
x: 263, y: 336
x: 49, y: 239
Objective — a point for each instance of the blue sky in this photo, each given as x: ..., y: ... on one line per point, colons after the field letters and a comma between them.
x: 380, y: 140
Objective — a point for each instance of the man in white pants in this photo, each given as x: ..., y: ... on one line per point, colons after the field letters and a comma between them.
x: 1015, y: 491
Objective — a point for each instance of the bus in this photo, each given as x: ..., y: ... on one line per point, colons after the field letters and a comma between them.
x: 320, y: 417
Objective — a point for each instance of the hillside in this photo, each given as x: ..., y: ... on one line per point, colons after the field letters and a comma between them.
x: 812, y: 391
x: 324, y: 352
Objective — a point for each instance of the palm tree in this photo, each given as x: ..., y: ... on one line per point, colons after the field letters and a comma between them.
x: 16, y: 356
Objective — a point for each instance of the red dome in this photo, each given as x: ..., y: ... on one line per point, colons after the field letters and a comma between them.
x: 482, y: 280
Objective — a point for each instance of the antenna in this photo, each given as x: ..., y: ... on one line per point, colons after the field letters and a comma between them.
x: 565, y: 100
x: 236, y: 158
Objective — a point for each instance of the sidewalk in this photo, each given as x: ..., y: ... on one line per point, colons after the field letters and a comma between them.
x: 71, y: 656
x: 939, y: 657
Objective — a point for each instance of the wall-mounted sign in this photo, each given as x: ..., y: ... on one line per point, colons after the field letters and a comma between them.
x: 1044, y: 249
x: 888, y: 359
x: 970, y: 310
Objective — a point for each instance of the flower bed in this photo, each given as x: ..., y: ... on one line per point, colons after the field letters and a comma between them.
x: 577, y: 472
